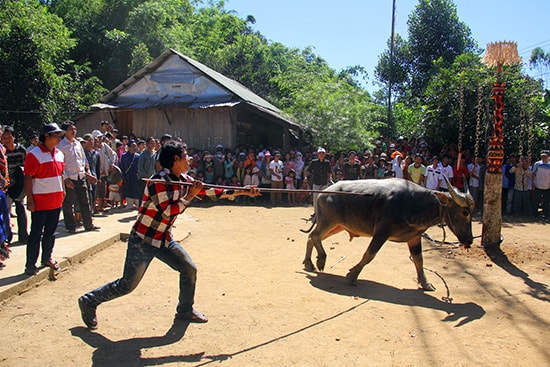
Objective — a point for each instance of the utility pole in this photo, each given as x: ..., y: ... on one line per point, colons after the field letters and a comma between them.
x: 390, y: 79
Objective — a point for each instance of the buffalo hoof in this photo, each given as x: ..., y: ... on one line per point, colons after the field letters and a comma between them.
x: 321, y: 261
x: 428, y: 287
x: 352, y: 278
x: 308, y: 266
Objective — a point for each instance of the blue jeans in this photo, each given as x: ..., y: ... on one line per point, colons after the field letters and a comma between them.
x: 138, y: 257
x: 43, y: 226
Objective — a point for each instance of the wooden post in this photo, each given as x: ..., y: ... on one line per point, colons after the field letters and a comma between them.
x: 497, y: 54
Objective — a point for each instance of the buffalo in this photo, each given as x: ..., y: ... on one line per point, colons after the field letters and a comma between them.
x: 390, y: 209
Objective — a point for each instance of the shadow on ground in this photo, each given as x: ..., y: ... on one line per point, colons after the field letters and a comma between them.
x: 365, y: 289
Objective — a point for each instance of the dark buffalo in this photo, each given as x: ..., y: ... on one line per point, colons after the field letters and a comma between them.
x: 391, y: 209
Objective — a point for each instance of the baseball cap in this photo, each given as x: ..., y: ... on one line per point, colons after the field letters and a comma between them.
x: 321, y: 150
x: 51, y: 128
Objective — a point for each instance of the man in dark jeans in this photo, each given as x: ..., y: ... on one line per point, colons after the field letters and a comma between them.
x: 75, y: 174
x: 44, y: 188
x: 164, y: 200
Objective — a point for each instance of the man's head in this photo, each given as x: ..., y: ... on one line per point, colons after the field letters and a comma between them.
x: 165, y: 138
x: 50, y: 135
x: 8, y: 136
x: 544, y: 155
x: 321, y: 152
x: 170, y: 153
x: 70, y: 129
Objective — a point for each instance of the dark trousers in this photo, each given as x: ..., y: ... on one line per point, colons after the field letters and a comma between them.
x: 138, y: 257
x: 43, y: 226
x: 542, y: 197
x: 21, y: 213
x: 78, y: 194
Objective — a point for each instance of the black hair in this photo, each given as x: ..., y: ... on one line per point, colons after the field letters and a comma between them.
x: 168, y: 152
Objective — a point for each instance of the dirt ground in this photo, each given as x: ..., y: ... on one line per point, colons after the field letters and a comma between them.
x: 265, y: 310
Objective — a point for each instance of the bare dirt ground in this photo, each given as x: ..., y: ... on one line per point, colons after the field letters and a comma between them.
x: 266, y: 311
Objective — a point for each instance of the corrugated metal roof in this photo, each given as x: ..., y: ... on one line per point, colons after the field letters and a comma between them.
x: 175, y: 79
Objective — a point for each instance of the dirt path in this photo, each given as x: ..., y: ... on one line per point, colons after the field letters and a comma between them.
x: 266, y: 311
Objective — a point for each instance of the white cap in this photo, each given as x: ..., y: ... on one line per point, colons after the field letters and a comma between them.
x: 321, y: 150
x: 96, y: 134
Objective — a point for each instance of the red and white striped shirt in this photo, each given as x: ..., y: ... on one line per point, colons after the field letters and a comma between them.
x: 46, y: 171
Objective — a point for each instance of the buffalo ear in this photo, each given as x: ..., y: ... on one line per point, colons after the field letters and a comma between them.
x: 442, y: 197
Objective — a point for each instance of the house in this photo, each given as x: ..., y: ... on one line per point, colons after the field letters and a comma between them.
x: 177, y: 95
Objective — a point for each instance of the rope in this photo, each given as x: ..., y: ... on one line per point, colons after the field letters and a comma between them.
x: 478, y: 118
x: 210, y: 186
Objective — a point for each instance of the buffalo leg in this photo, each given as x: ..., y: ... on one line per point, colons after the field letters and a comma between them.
x: 314, y: 240
x: 374, y: 246
x: 415, y: 249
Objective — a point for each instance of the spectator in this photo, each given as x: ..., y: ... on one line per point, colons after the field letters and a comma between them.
x: 446, y: 170
x: 146, y: 165
x: 541, y: 182
x: 352, y: 168
x: 5, y: 227
x: 321, y: 174
x: 75, y: 177
x: 229, y: 166
x: 15, y: 156
x: 474, y: 170
x: 92, y: 157
x: 107, y: 159
x: 521, y: 201
x: 370, y: 169
x: 276, y: 170
x: 290, y: 184
x: 44, y: 167
x: 460, y: 174
x: 130, y: 181
x: 433, y: 175
x: 34, y: 142
x: 299, y: 167
x: 417, y: 170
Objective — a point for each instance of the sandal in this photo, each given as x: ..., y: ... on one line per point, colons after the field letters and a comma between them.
x: 192, y: 316
x: 51, y: 264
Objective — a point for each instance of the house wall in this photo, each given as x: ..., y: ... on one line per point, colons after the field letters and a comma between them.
x: 202, y: 128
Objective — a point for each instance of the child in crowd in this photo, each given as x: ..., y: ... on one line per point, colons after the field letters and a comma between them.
x: 290, y: 184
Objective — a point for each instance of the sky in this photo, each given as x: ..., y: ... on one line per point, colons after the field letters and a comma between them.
x: 356, y: 32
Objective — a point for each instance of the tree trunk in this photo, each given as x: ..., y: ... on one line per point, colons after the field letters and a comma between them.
x: 492, y: 210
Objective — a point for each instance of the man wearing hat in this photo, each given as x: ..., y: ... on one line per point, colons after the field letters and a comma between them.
x: 76, y: 187
x: 541, y: 181
x: 321, y: 172
x: 44, y: 187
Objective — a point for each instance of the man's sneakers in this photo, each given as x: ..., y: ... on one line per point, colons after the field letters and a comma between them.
x: 88, y: 313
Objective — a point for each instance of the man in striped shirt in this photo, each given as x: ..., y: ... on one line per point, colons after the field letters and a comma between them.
x: 151, y: 236
x: 45, y: 191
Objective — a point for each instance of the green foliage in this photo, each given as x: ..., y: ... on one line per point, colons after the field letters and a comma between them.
x: 34, y: 46
x: 435, y: 33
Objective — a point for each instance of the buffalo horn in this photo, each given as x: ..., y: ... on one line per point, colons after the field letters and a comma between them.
x: 457, y: 197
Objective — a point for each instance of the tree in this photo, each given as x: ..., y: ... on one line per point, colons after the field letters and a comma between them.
x: 36, y: 75
x: 435, y: 33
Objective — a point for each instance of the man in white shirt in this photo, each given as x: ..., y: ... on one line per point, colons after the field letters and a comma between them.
x: 446, y: 170
x: 541, y: 182
x: 75, y: 175
x: 433, y: 175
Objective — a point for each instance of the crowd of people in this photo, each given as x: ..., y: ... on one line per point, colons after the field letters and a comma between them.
x: 103, y: 171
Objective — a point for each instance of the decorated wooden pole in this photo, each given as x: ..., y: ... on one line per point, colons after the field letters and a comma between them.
x: 497, y: 55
